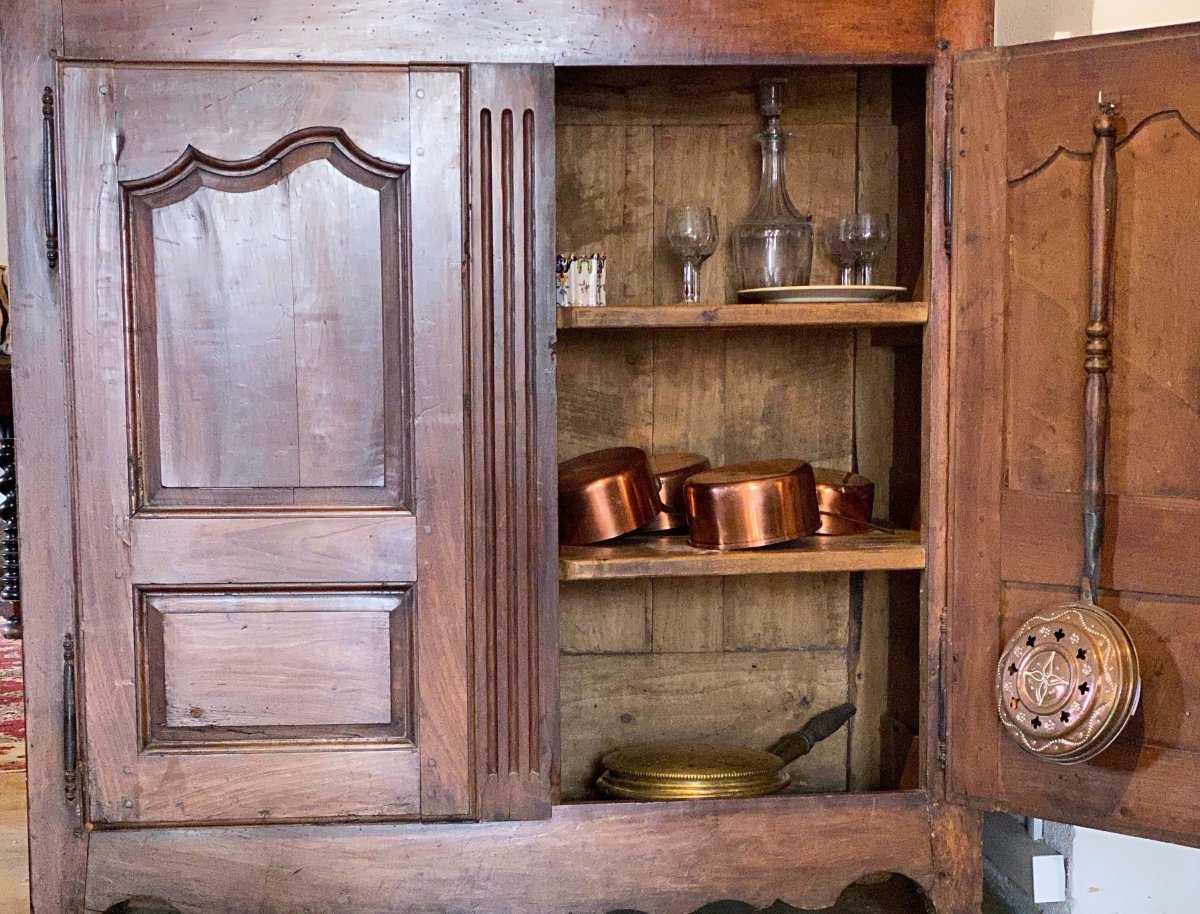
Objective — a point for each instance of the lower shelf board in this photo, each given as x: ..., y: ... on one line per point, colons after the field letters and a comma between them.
x: 671, y: 557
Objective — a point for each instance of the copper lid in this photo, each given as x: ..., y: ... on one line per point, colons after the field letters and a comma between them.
x: 671, y: 471
x: 605, y: 494
x: 689, y: 771
x: 1068, y: 682
x: 751, y: 504
x: 845, y: 499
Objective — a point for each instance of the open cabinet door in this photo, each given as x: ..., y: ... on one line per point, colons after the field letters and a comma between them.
x: 1022, y: 150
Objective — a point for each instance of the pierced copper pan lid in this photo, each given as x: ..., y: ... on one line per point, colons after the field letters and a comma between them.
x: 1068, y: 682
x: 605, y: 494
x: 671, y: 470
x: 751, y: 504
x: 845, y: 500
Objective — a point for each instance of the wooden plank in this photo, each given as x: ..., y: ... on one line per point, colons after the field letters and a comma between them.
x: 342, y: 318
x: 40, y: 381
x: 688, y: 615
x: 605, y: 617
x: 1049, y: 77
x: 751, y: 698
x: 223, y: 324
x: 709, y: 165
x: 977, y: 421
x: 713, y: 95
x: 605, y: 189
x: 789, y: 394
x: 439, y: 391
x: 1155, y: 336
x: 246, y: 660
x: 605, y: 392
x: 747, y: 314
x: 172, y: 98
x: 514, y: 619
x: 785, y: 612
x: 540, y: 31
x: 733, y: 851
x: 281, y: 549
x: 671, y: 556
x: 1043, y: 542
x: 869, y: 677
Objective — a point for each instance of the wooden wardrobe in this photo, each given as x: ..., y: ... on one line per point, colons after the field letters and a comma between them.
x: 291, y: 387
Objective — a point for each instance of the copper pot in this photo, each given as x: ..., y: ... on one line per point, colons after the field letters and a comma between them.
x: 751, y: 504
x: 605, y: 494
x: 845, y: 500
x: 671, y: 471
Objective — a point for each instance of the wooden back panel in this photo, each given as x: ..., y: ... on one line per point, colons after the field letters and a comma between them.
x: 1021, y: 298
x: 268, y: 329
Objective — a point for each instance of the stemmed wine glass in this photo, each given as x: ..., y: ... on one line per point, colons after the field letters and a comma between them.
x: 867, y: 235
x: 692, y: 233
x: 837, y: 248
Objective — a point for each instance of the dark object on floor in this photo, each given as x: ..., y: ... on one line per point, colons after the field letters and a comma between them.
x: 892, y: 895
x: 141, y: 904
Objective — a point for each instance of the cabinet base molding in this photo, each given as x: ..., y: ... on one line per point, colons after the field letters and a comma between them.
x: 665, y: 858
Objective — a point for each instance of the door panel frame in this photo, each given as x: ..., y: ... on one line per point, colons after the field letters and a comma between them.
x: 998, y: 537
x: 314, y: 549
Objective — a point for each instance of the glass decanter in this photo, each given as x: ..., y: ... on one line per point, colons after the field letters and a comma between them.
x: 773, y: 245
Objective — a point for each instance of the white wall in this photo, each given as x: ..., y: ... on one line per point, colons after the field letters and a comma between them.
x: 1119, y: 15
x: 1109, y: 873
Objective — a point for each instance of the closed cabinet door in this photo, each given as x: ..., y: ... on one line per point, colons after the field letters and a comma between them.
x: 267, y: 326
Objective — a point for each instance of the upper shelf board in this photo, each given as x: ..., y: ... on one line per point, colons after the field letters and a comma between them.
x: 806, y: 314
x: 671, y: 557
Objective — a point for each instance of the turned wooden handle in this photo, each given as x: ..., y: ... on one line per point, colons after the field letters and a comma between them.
x: 821, y: 726
x: 1098, y: 348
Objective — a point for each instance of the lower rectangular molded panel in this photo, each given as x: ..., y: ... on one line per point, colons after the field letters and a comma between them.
x: 231, y: 668
x: 662, y: 858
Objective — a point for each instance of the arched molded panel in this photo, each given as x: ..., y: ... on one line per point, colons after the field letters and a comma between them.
x: 268, y: 303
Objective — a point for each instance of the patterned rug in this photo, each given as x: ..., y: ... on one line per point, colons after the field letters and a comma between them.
x: 12, y: 708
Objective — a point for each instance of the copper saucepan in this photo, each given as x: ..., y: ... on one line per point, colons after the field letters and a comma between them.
x: 605, y: 494
x: 746, y: 505
x: 845, y: 500
x: 671, y: 470
x: 695, y: 770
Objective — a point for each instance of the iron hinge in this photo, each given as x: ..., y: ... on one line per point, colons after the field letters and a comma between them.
x: 49, y: 178
x: 948, y: 173
x: 70, y: 722
x: 943, y: 687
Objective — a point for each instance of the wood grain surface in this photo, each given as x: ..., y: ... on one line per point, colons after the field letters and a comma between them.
x: 40, y: 380
x: 1022, y: 287
x: 671, y: 556
x: 808, y: 314
x: 545, y: 31
x: 286, y: 773
x: 696, y: 852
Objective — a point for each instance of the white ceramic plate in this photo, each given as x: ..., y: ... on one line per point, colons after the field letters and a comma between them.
x: 800, y: 294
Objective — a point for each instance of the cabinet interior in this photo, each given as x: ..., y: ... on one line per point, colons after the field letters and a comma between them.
x: 743, y: 658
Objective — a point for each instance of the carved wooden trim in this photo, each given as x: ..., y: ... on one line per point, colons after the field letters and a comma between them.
x: 195, y: 169
x: 513, y: 440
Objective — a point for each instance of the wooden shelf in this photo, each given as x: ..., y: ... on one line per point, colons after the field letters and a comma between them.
x: 672, y: 557
x: 808, y: 314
